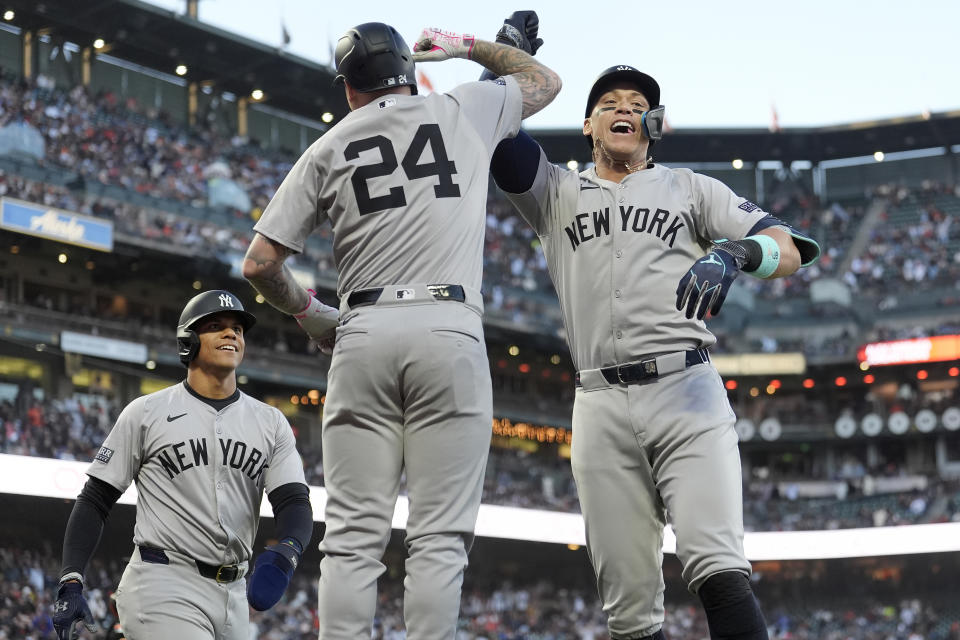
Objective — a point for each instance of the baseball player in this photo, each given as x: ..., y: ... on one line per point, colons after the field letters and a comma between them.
x: 639, y: 254
x: 403, y: 181
x: 202, y: 453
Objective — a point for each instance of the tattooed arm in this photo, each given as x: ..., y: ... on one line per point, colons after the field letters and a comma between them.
x: 264, y: 268
x: 538, y: 83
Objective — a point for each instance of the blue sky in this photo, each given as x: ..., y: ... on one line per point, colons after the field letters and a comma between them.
x: 719, y: 64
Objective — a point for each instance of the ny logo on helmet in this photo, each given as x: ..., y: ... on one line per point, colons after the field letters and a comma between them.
x: 225, y: 300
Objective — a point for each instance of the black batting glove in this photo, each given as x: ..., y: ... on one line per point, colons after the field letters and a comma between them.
x: 520, y: 31
x: 71, y: 610
x: 705, y: 286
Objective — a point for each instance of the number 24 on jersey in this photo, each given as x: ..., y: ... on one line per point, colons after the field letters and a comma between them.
x: 441, y: 167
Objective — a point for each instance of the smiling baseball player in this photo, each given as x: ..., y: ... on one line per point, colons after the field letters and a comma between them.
x: 202, y: 453
x: 639, y: 254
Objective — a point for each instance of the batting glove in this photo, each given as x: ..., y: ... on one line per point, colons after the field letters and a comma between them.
x: 520, y: 31
x: 434, y: 45
x: 706, y: 284
x: 318, y: 320
x: 272, y: 573
x: 70, y: 610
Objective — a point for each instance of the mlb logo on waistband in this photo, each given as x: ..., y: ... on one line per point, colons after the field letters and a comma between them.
x: 104, y: 455
x: 406, y: 294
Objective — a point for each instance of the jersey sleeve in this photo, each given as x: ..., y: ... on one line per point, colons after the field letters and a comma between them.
x: 119, y: 459
x: 539, y: 204
x: 494, y: 108
x: 285, y: 466
x: 294, y: 211
x: 722, y: 213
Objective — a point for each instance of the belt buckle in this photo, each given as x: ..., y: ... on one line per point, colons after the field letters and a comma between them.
x: 649, y: 368
x: 220, y: 569
x: 439, y: 290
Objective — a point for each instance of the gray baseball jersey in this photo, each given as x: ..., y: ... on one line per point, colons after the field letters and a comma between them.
x: 663, y: 449
x: 403, y: 181
x: 200, y: 473
x: 616, y: 252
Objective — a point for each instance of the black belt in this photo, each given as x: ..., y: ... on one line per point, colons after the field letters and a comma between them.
x: 221, y: 573
x: 363, y: 297
x: 646, y: 369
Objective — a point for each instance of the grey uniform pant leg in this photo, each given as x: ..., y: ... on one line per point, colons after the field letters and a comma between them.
x: 408, y: 385
x: 175, y: 601
x: 448, y: 416
x: 696, y: 463
x: 622, y: 512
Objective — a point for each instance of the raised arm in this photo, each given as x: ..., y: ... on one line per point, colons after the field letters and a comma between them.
x: 539, y: 84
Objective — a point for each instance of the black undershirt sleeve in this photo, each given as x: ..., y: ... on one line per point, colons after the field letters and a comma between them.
x: 85, y: 525
x: 292, y: 512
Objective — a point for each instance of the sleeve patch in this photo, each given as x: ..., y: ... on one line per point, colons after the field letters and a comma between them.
x: 748, y: 206
x: 104, y: 455
x: 499, y: 81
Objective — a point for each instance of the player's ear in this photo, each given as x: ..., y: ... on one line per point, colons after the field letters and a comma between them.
x: 587, y: 127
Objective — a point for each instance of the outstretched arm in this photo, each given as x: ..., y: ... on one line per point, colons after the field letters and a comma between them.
x: 539, y: 84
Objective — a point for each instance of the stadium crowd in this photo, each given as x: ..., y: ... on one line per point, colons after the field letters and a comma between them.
x: 534, y: 610
x: 101, y: 138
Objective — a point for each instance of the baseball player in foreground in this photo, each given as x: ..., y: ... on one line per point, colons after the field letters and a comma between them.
x: 639, y: 254
x: 202, y: 453
x: 403, y: 181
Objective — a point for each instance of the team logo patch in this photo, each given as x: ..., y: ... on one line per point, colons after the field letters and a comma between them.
x: 104, y: 455
x: 748, y: 206
x: 388, y: 102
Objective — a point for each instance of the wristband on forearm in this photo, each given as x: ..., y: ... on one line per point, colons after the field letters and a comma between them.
x: 757, y: 255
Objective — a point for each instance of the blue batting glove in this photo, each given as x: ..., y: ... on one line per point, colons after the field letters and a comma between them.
x: 272, y: 572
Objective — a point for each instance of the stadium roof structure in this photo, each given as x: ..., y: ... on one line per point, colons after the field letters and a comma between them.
x: 161, y: 39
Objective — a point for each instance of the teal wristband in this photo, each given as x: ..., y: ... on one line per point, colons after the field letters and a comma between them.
x: 771, y: 256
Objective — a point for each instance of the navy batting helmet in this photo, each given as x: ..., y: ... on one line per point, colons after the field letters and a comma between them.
x: 652, y: 120
x: 373, y: 56
x: 203, y: 305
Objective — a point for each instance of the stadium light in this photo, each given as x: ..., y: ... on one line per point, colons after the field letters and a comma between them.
x: 150, y: 364
x: 514, y: 350
x: 573, y: 165
x: 181, y: 70
x: 737, y: 163
x: 731, y: 385
x: 256, y: 95
x: 555, y: 359
x: 869, y: 379
x: 754, y: 392
x: 98, y: 43
x: 524, y: 368
x: 840, y: 381
x: 260, y: 299
x: 808, y: 383
x: 327, y: 117
x: 771, y: 389
x: 197, y: 285
x: 14, y: 249
x: 864, y: 366
x: 878, y: 156
x: 294, y: 399
x: 922, y: 374
x: 776, y: 384
x: 62, y: 258
x: 242, y: 379
x: 953, y: 372
x: 9, y: 15
x: 89, y: 265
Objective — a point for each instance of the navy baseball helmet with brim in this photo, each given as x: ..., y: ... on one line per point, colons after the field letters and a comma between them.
x: 622, y: 73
